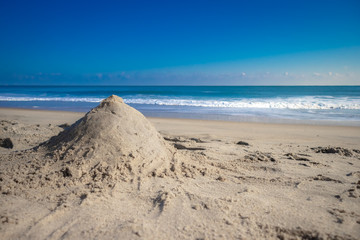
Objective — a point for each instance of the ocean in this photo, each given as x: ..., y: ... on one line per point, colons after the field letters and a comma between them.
x: 334, y: 105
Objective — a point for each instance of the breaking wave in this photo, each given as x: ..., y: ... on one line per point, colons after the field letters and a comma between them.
x: 308, y: 102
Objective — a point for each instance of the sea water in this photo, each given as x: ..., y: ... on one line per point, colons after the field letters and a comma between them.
x: 339, y: 105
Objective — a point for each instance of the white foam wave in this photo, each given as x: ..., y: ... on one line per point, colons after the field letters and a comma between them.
x: 48, y: 99
x: 275, y: 103
x: 279, y: 103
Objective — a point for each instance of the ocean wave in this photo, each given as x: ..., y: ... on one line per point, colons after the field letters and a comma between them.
x: 283, y: 103
x: 308, y: 102
x: 49, y: 99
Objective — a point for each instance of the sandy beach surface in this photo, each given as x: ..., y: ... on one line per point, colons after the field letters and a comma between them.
x: 118, y: 175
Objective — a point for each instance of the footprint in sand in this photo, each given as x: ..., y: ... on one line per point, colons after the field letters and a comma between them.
x: 333, y: 150
x: 259, y: 156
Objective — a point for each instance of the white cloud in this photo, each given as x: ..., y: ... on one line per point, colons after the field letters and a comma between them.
x: 316, y: 74
x: 243, y: 74
x: 330, y: 73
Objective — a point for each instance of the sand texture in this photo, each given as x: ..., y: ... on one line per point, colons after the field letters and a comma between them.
x: 113, y: 174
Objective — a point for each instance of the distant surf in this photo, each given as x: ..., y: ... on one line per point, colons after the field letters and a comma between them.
x: 307, y: 102
x: 333, y: 104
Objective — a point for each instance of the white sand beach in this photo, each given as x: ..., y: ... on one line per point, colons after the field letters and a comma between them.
x: 118, y: 175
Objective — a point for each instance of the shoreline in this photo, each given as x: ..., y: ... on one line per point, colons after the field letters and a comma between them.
x: 308, y: 134
x: 257, y: 121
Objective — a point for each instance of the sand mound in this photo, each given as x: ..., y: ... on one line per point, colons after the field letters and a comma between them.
x: 113, y: 140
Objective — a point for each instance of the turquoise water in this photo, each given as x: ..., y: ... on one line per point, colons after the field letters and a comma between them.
x: 303, y: 104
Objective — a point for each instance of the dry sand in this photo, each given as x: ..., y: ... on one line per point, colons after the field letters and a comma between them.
x: 111, y: 175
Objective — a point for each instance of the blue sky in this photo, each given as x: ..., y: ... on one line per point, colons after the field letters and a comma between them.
x: 180, y: 42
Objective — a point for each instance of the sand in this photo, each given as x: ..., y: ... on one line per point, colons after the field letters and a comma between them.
x: 115, y: 175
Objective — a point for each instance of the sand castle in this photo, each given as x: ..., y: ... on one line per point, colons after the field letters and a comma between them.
x: 113, y: 141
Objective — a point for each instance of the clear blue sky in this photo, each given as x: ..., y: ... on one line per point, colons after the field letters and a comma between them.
x: 180, y: 42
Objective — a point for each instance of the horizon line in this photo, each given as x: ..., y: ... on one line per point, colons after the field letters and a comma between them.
x: 161, y: 85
